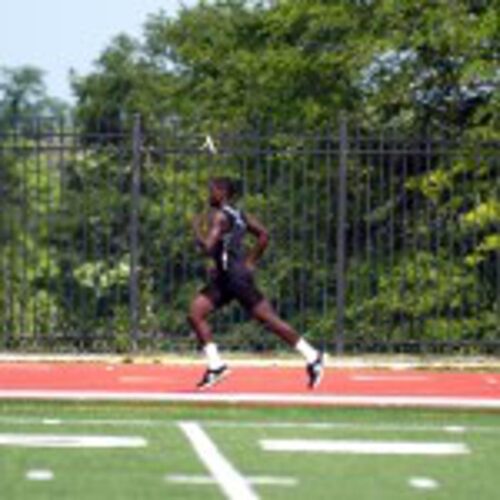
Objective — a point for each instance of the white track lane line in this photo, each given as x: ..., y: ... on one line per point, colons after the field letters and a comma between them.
x: 257, y: 398
x: 363, y: 447
x: 230, y: 481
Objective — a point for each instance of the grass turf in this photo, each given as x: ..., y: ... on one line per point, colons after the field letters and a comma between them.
x: 140, y: 473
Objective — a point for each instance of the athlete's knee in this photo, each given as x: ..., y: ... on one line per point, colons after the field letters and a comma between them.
x: 196, y: 315
x: 193, y: 316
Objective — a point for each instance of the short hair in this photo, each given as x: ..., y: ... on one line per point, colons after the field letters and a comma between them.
x: 228, y: 185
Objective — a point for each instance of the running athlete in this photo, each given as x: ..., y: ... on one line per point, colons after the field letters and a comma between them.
x: 232, y: 278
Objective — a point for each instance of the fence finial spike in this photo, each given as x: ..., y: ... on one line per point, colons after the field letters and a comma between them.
x: 209, y: 145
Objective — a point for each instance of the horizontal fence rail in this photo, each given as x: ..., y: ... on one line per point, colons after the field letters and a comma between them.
x: 379, y: 243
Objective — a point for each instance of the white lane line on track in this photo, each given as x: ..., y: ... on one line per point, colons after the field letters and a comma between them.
x: 363, y: 447
x: 70, y: 441
x: 230, y: 481
x: 257, y: 398
x: 255, y: 480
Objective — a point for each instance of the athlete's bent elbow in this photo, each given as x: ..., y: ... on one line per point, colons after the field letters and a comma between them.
x: 264, y: 239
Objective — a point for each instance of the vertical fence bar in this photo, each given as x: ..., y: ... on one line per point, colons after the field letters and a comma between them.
x: 134, y: 231
x: 341, y: 235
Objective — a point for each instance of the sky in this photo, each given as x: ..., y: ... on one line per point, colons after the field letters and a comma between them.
x: 57, y: 35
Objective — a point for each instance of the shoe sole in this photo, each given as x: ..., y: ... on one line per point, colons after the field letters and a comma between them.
x: 219, y: 379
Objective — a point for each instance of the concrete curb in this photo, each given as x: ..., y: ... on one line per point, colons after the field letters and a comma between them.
x: 394, y: 362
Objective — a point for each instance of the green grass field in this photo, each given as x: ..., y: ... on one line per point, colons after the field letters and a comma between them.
x: 169, y: 467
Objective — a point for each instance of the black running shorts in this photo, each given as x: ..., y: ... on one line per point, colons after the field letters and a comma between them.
x: 238, y: 284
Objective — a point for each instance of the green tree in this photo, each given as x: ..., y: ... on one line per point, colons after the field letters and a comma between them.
x: 23, y: 96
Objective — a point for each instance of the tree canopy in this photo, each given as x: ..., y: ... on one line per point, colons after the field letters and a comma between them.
x: 407, y: 64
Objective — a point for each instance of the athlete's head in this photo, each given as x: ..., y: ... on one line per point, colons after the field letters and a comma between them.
x: 221, y: 190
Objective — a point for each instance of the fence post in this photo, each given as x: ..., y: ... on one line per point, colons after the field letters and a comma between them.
x: 134, y: 231
x: 341, y: 235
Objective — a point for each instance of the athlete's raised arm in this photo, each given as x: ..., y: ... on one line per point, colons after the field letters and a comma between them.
x: 257, y: 229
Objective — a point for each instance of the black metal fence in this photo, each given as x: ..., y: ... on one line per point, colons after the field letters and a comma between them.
x: 379, y: 242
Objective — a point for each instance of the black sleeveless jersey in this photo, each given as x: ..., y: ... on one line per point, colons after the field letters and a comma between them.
x: 229, y: 252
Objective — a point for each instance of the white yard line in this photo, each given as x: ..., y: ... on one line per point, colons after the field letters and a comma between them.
x: 257, y: 398
x: 230, y: 481
x: 363, y: 447
x: 70, y: 441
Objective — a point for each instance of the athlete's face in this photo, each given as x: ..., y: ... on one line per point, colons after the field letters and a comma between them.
x: 216, y: 196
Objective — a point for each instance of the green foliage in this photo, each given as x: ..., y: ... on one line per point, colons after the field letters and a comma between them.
x: 23, y: 97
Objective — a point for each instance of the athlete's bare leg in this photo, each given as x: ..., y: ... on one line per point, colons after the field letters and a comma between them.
x: 200, y: 308
x: 265, y: 313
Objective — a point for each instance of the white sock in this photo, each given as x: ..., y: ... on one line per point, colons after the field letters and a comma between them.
x: 212, y: 354
x: 307, y: 350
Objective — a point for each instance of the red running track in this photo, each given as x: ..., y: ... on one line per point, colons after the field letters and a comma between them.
x: 249, y: 384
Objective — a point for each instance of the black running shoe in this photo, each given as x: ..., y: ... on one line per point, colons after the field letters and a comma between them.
x: 315, y: 371
x: 212, y: 377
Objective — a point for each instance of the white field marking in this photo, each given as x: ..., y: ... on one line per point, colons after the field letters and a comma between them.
x: 107, y: 422
x: 455, y: 429
x: 70, y: 441
x: 381, y: 427
x: 389, y: 378
x: 256, y: 480
x: 51, y: 421
x: 257, y: 398
x: 39, y: 475
x: 229, y: 480
x: 364, y: 447
x: 423, y: 483
x: 350, y: 426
